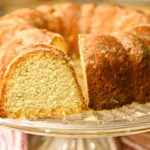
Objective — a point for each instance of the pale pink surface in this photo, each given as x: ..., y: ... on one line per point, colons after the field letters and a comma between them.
x: 12, y: 140
x: 136, y: 142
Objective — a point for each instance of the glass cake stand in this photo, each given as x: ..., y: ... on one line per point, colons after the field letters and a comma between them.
x: 88, y: 131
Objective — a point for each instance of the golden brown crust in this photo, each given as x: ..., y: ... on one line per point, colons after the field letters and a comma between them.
x: 53, y: 20
x: 128, y: 18
x: 142, y: 31
x: 68, y: 21
x: 5, y: 36
x: 112, y: 18
x: 139, y: 57
x: 104, y: 19
x: 120, y: 19
x: 107, y: 69
x: 70, y: 24
x: 87, y: 18
x: 117, y: 69
x: 24, y: 17
x: 86, y: 14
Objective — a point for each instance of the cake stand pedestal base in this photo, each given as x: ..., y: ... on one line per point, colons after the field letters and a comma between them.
x: 80, y: 143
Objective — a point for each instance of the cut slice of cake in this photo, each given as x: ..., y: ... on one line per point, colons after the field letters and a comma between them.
x: 40, y: 83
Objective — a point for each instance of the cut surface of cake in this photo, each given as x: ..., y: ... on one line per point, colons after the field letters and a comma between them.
x: 40, y: 83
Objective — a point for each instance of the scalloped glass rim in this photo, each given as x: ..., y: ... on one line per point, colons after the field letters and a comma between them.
x: 131, y: 119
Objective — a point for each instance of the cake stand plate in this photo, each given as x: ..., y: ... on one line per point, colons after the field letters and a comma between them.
x: 90, y: 130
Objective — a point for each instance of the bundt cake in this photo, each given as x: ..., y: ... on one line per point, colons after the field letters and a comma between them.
x: 37, y: 78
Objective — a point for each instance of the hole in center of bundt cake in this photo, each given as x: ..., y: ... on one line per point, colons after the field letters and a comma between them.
x: 41, y: 84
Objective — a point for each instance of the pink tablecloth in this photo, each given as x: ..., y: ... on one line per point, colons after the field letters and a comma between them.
x: 12, y: 140
x: 136, y: 142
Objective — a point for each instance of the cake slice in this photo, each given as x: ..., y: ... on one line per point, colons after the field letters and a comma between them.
x: 40, y: 83
x: 36, y: 79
